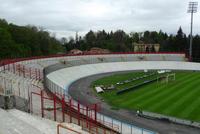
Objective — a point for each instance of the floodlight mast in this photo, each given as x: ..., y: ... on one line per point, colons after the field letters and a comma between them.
x: 191, y: 9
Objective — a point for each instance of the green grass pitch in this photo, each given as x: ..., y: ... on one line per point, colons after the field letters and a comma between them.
x: 179, y: 98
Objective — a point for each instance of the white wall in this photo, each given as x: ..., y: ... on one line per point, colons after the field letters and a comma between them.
x: 66, y: 76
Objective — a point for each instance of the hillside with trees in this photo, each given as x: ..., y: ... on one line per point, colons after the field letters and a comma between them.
x: 26, y: 41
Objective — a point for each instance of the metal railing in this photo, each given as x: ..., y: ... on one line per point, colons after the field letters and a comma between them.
x: 124, y: 128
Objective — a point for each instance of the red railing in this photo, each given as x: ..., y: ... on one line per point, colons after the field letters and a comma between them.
x: 61, y: 108
x: 65, y: 127
x: 24, y: 71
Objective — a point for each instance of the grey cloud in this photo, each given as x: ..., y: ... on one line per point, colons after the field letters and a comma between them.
x: 64, y: 17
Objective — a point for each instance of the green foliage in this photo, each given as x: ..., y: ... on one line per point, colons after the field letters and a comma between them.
x: 196, y: 48
x: 25, y: 41
x: 119, y: 41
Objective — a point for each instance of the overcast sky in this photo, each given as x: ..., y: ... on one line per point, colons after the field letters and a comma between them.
x: 64, y: 17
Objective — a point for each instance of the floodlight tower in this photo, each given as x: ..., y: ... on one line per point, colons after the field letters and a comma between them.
x: 191, y: 9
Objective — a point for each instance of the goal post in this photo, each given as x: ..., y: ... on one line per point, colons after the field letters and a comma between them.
x: 167, y: 78
x: 171, y: 77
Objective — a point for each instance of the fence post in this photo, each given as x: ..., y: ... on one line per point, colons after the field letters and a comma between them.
x: 103, y: 120
x: 96, y: 129
x: 104, y: 130
x: 121, y: 127
x: 19, y: 70
x: 112, y: 123
x: 89, y: 127
x: 39, y: 74
x: 19, y: 88
x: 131, y: 129
x: 8, y: 67
x: 30, y: 72
x: 42, y: 104
x: 31, y: 104
x: 79, y: 113
x: 4, y: 68
x: 87, y: 119
x: 63, y: 109
x: 58, y: 132
x: 23, y: 71
x: 29, y: 108
x: 54, y: 105
x: 36, y: 74
x: 70, y: 107
x: 14, y: 68
x: 95, y: 112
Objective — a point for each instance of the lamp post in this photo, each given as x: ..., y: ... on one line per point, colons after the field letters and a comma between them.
x: 191, y: 9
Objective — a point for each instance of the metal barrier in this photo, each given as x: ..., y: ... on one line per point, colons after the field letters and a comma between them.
x: 9, y: 85
x: 49, y: 106
x: 23, y: 71
x: 6, y: 88
x: 171, y: 119
x: 124, y: 128
x: 67, y: 128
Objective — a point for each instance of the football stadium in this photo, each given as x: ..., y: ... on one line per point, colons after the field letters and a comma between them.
x: 101, y: 92
x: 99, y: 67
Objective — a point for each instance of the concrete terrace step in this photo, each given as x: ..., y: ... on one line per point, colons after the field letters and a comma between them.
x: 44, y: 126
x: 12, y: 125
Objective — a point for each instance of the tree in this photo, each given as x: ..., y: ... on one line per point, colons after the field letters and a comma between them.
x: 135, y: 37
x: 23, y: 41
x: 146, y: 37
x: 90, y: 39
x: 196, y: 48
x: 180, y: 41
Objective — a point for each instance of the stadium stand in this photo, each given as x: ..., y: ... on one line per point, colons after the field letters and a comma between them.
x: 107, y: 58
